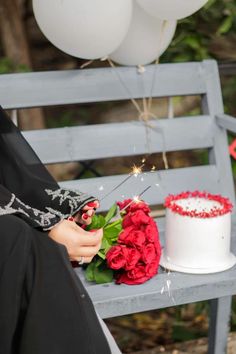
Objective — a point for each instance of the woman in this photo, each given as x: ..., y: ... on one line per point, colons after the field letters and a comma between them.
x: 44, y: 308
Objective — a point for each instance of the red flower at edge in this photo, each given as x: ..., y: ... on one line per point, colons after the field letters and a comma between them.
x: 139, y: 217
x: 117, y: 257
x: 134, y: 238
x: 132, y: 259
x: 149, y: 253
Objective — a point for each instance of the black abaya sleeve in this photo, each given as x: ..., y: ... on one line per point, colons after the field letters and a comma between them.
x: 10, y: 204
x: 26, y: 187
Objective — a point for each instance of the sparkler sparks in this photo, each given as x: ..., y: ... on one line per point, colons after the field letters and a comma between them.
x: 136, y: 170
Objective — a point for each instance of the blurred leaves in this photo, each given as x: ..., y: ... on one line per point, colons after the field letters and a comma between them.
x: 198, y: 36
x: 7, y: 66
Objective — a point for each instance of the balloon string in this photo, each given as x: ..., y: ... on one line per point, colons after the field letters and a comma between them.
x: 163, y: 26
x: 135, y: 103
x: 87, y: 63
x: 150, y: 100
x: 145, y: 114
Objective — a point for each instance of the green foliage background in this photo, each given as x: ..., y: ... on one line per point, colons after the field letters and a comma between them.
x: 210, y: 33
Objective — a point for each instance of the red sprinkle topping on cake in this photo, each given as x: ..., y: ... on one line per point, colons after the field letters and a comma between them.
x: 226, y: 205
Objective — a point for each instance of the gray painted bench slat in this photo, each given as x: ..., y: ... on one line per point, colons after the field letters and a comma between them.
x: 92, y: 85
x: 227, y: 122
x: 121, y: 139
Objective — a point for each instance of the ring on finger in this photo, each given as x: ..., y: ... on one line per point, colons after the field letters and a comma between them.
x: 81, y: 261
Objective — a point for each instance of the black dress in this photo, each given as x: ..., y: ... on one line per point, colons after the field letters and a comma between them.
x: 44, y: 308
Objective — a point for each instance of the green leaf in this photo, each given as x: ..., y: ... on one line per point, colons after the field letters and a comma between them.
x: 193, y: 42
x: 89, y: 272
x: 98, y: 262
x: 111, y: 213
x: 209, y: 4
x: 102, y: 255
x: 6, y: 65
x: 117, y: 222
x: 103, y: 275
x: 226, y: 25
x: 105, y: 243
x: 98, y: 222
x: 112, y: 233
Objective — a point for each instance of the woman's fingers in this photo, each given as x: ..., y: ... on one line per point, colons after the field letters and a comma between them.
x: 84, y: 217
x: 91, y: 205
x: 86, y: 214
x: 91, y: 238
x: 79, y: 243
x: 87, y: 252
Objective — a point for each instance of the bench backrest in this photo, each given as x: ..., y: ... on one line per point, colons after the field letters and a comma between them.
x: 128, y: 139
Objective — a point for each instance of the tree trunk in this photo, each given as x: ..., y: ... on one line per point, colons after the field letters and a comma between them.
x: 16, y: 48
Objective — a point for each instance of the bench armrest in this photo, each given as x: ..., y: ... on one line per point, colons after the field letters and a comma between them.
x: 227, y: 122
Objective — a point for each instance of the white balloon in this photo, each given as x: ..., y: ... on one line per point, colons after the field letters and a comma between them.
x: 146, y: 39
x: 88, y: 29
x: 171, y: 9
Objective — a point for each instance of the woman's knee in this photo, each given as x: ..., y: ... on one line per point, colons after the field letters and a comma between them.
x: 13, y: 231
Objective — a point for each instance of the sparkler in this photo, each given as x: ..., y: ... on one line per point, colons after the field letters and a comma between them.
x: 136, y: 170
x: 135, y: 199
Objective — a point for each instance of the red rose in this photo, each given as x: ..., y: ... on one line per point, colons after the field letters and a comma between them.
x: 132, y: 238
x: 139, y: 218
x: 158, y: 249
x: 134, y: 206
x: 152, y: 268
x: 133, y: 277
x: 139, y: 206
x: 116, y: 257
x: 127, y: 221
x: 149, y: 253
x: 137, y: 272
x: 133, y: 256
x: 151, y: 231
x: 124, y: 278
x: 123, y: 204
x: 125, y: 232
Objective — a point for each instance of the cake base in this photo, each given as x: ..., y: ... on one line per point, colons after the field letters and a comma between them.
x: 227, y: 264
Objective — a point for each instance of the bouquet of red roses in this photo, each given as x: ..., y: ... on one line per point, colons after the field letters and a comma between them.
x: 130, y: 251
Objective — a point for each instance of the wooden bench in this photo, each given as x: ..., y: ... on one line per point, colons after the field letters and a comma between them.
x: 205, y: 131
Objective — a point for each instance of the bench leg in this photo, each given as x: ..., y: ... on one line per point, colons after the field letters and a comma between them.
x: 220, y: 310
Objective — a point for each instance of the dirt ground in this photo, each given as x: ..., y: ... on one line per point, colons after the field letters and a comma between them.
x: 198, y: 346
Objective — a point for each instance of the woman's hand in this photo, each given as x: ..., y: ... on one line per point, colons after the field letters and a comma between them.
x: 80, y: 244
x: 85, y: 216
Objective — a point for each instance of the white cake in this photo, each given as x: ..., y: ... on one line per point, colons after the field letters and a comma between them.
x: 197, y: 236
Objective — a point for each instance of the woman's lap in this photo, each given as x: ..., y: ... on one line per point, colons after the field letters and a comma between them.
x: 44, y: 307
